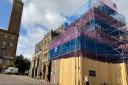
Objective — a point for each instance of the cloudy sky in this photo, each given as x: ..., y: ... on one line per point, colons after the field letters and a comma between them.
x: 40, y: 16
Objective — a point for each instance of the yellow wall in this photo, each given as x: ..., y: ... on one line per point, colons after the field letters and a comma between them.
x: 55, y: 71
x: 112, y: 74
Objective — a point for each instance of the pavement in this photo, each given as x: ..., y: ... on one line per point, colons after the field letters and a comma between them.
x: 19, y: 80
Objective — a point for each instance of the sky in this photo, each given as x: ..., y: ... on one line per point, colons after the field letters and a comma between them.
x: 40, y: 16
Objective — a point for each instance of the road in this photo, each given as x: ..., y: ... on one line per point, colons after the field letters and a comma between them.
x: 18, y: 80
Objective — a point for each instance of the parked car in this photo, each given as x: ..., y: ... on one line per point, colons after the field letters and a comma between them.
x: 11, y: 70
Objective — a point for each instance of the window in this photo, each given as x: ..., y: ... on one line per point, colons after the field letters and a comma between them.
x: 45, y: 55
x: 12, y: 38
x: 1, y: 61
x: 5, y: 36
x: 1, y: 52
x: 92, y: 73
x: 11, y: 44
x: 4, y: 43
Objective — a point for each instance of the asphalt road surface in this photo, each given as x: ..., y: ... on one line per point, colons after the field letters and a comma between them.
x: 18, y: 80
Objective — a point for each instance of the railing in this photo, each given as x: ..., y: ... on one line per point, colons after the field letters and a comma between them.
x: 110, y: 12
x: 119, y: 17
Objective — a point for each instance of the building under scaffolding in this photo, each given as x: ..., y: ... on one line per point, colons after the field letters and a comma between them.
x: 93, y: 46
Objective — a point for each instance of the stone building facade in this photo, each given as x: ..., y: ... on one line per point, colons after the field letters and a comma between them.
x: 40, y: 60
x: 9, y: 38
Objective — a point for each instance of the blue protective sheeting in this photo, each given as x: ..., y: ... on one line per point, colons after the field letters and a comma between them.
x: 65, y: 48
x: 84, y: 44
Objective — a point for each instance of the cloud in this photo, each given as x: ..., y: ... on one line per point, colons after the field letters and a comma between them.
x: 40, y: 16
x: 27, y: 42
x: 38, y: 11
x: 10, y: 1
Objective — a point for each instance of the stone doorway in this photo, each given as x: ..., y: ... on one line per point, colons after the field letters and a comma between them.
x: 44, y: 71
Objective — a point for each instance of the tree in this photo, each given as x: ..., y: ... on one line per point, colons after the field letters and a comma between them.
x: 23, y: 64
x: 11, y: 64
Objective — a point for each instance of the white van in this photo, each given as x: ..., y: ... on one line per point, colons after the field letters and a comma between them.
x: 11, y: 70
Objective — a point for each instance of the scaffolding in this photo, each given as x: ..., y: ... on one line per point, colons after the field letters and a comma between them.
x: 100, y: 33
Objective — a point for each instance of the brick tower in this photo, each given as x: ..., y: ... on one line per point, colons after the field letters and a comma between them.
x: 15, y: 19
x: 9, y: 38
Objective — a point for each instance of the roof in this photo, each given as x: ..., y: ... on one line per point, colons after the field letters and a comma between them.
x: 8, y: 32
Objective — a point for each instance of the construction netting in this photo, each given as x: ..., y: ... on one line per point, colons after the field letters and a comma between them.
x: 89, y: 4
x: 98, y: 32
x: 87, y: 45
